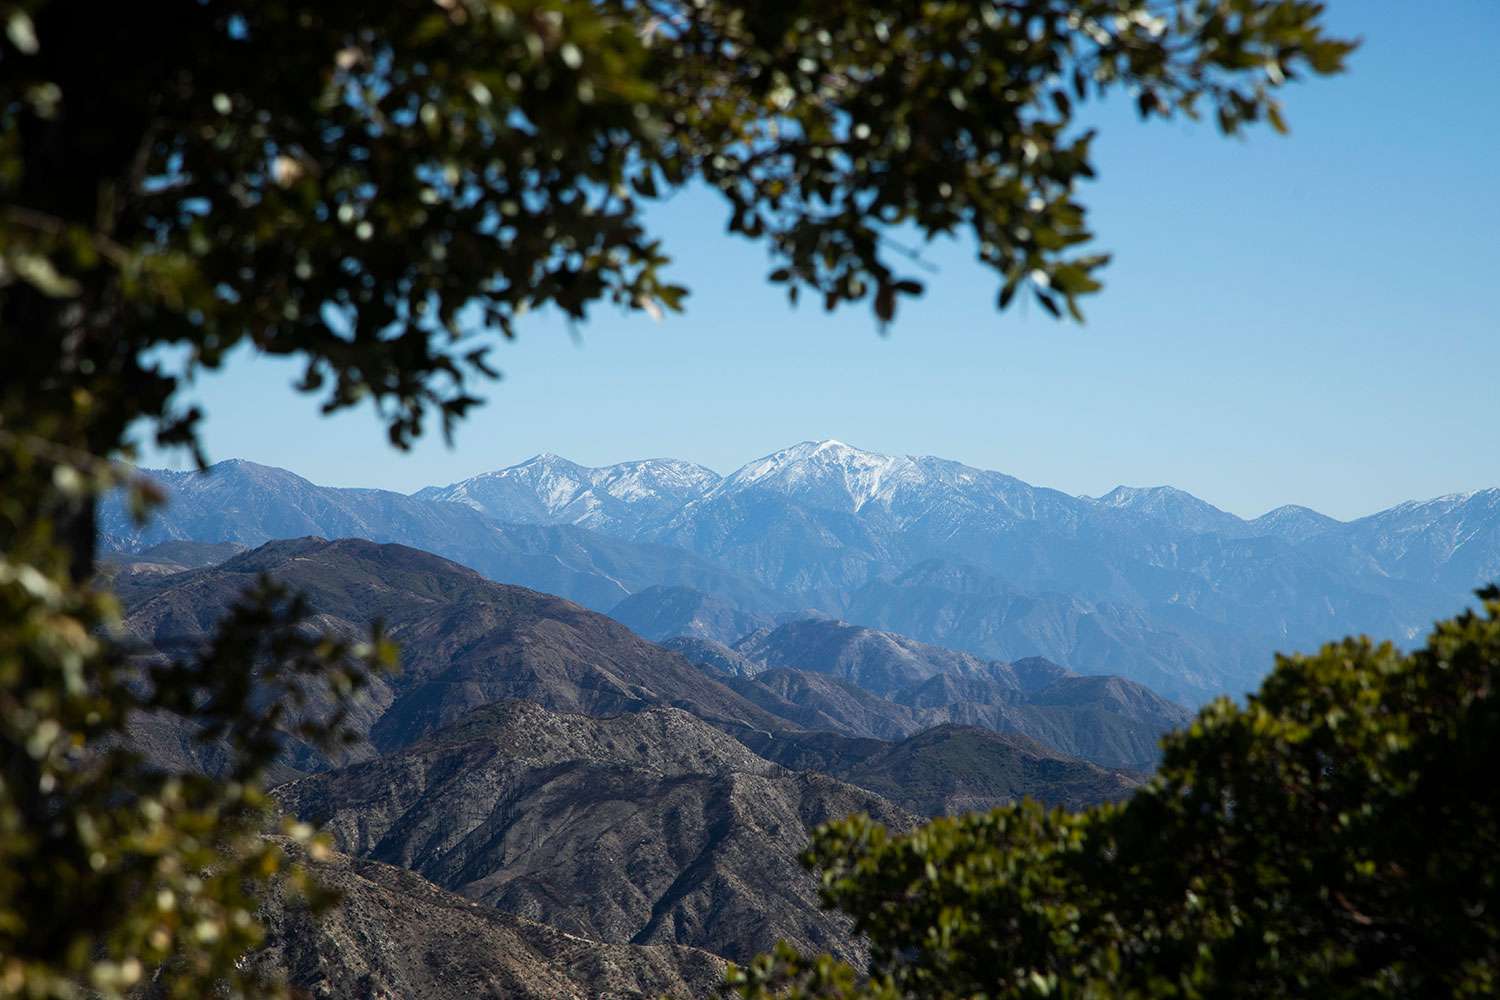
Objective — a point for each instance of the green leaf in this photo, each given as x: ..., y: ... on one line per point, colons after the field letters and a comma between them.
x: 1047, y: 303
x: 38, y: 271
x: 428, y: 29
x: 21, y: 32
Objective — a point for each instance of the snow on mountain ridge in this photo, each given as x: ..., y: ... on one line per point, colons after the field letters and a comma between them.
x: 685, y: 504
x: 1459, y: 533
x: 550, y: 489
x: 835, y: 476
x: 1439, y: 506
x: 830, y: 472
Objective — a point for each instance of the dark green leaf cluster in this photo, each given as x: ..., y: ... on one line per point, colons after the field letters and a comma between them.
x: 859, y: 122
x: 1335, y: 836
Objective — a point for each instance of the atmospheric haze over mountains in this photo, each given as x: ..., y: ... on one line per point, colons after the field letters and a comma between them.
x: 1152, y: 584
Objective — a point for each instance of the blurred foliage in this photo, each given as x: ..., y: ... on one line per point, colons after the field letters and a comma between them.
x: 113, y: 871
x: 380, y: 189
x: 1334, y: 837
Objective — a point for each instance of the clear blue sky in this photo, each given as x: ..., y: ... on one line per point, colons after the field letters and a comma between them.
x: 1310, y: 319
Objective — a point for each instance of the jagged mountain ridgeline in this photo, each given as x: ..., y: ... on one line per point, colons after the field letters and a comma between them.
x: 251, y: 504
x: 468, y: 642
x: 871, y: 683
x: 543, y: 803
x: 1151, y: 584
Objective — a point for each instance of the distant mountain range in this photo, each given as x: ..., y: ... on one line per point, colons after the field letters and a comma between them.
x: 1152, y: 584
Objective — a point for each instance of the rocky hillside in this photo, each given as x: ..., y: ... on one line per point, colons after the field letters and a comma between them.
x: 951, y: 768
x: 819, y: 702
x: 647, y: 828
x: 955, y: 769
x: 713, y: 656
x: 394, y: 934
x: 880, y: 662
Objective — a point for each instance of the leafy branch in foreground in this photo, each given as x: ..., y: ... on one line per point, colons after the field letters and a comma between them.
x: 376, y: 187
x: 109, y: 866
x: 1335, y: 836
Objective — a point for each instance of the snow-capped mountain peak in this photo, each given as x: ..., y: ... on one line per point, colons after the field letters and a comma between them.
x: 550, y: 489
x: 828, y: 474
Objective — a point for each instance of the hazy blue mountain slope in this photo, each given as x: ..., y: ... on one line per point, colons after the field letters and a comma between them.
x: 1293, y: 523
x: 1162, y: 580
x: 664, y: 612
x: 1174, y: 508
x: 880, y: 662
x: 190, y: 555
x: 864, y: 682
x: 962, y: 607
x: 1451, y: 542
x: 815, y: 554
x: 1108, y: 720
x: 713, y: 656
x: 821, y: 515
x: 249, y: 504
